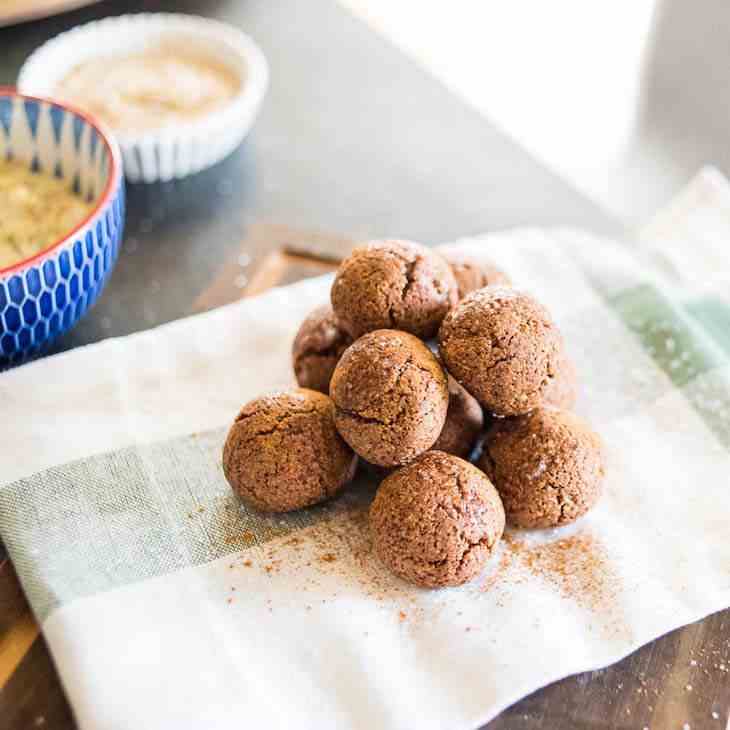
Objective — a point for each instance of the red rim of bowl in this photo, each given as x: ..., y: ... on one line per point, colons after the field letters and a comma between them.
x: 115, y: 167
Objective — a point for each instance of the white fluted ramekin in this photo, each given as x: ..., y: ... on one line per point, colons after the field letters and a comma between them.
x: 173, y: 151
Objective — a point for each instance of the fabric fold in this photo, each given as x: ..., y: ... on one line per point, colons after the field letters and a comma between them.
x: 168, y: 604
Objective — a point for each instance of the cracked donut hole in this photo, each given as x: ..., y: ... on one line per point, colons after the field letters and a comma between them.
x: 283, y: 452
x: 547, y: 467
x: 391, y: 397
x: 501, y: 345
x: 393, y: 285
x: 464, y: 423
x: 317, y: 348
x: 471, y: 274
x: 437, y: 521
x: 561, y: 390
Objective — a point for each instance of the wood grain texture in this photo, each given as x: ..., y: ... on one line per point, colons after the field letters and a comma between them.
x: 12, y: 601
x: 33, y: 699
x: 273, y: 255
x: 15, y: 644
x: 18, y: 629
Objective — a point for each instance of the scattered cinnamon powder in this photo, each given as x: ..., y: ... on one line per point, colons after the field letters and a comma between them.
x: 246, y: 538
x: 576, y: 566
x: 237, y: 530
x: 507, y: 551
x: 339, y: 547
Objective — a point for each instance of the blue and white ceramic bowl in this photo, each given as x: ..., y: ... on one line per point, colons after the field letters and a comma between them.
x: 45, y: 295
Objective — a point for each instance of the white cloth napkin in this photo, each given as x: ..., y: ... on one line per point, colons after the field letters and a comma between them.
x: 168, y: 605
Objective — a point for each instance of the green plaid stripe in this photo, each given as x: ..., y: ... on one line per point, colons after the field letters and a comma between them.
x: 686, y: 342
x: 118, y: 518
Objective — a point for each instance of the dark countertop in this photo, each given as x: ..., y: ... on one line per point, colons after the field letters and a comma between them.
x: 353, y: 138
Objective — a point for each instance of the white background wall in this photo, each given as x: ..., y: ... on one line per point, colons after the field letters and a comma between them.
x: 611, y: 96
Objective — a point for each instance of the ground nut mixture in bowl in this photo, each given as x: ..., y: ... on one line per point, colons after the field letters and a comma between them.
x: 180, y: 92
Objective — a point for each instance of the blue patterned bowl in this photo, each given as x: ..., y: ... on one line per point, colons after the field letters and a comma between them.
x: 44, y: 296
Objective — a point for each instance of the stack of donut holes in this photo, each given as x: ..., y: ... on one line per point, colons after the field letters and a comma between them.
x: 418, y: 360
